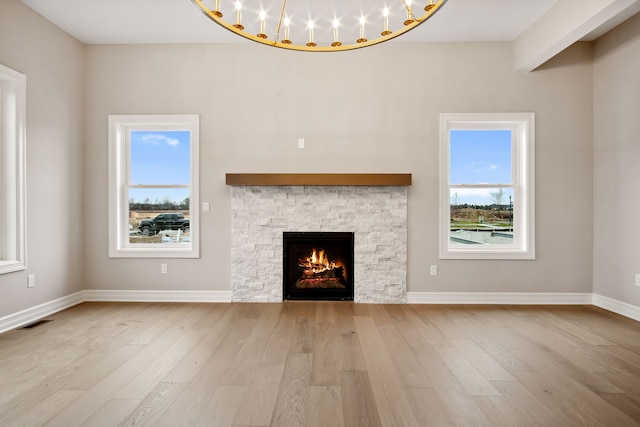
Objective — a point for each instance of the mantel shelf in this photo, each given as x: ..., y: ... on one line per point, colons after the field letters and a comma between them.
x: 319, y: 179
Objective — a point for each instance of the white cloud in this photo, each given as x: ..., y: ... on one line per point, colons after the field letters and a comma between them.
x: 481, y: 168
x: 156, y: 139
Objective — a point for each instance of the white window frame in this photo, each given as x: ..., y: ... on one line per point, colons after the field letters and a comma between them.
x: 522, y: 126
x: 13, y: 113
x: 120, y: 127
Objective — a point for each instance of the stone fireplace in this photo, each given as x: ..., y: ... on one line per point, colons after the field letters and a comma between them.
x: 376, y: 215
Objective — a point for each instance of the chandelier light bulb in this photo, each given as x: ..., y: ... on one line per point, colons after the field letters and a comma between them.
x: 238, y: 25
x: 385, y: 28
x: 336, y: 41
x: 287, y: 23
x: 263, y: 16
x: 216, y: 9
x: 410, y: 19
x: 311, y: 42
x: 362, y: 38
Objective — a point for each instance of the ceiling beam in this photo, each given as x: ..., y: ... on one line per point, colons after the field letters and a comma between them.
x: 562, y: 25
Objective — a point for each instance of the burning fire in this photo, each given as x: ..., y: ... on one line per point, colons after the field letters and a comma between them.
x: 317, y: 262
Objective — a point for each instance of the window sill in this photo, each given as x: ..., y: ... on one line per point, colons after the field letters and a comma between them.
x: 489, y: 255
x: 11, y: 266
x: 164, y: 252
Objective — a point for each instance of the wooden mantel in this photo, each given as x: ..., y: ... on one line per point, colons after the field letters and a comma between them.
x: 319, y: 179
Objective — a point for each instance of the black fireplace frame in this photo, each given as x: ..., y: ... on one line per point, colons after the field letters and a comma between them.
x: 308, y: 238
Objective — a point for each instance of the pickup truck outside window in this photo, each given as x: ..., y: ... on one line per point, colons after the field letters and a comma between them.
x: 164, y: 222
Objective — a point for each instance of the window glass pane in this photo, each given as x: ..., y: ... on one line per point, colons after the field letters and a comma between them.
x: 12, y: 170
x: 160, y: 157
x: 480, y: 157
x: 159, y: 215
x: 481, y: 216
x: 2, y: 144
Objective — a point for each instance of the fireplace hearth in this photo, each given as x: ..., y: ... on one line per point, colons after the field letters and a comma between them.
x: 318, y: 266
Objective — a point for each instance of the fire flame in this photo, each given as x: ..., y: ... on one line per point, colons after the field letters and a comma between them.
x: 317, y: 262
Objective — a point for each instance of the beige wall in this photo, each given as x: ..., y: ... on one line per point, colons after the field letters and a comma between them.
x: 617, y: 163
x: 374, y: 110
x: 53, y: 64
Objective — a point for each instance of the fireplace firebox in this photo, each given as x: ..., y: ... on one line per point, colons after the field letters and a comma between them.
x: 318, y: 266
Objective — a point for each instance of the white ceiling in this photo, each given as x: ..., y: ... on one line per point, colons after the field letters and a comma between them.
x: 539, y: 29
x: 180, y: 21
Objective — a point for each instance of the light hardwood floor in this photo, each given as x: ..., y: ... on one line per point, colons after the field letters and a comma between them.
x: 327, y: 364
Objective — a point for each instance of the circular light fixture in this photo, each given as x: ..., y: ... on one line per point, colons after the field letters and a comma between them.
x: 282, y: 24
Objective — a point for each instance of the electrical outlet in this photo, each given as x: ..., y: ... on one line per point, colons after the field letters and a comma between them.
x: 205, y: 206
x: 637, y: 279
x: 31, y: 280
x: 434, y: 270
x: 300, y: 142
x: 163, y: 268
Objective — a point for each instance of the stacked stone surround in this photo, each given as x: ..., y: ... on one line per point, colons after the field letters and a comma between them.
x: 376, y: 215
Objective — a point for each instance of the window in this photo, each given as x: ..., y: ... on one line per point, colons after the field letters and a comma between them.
x: 487, y: 186
x: 13, y: 90
x: 153, y: 193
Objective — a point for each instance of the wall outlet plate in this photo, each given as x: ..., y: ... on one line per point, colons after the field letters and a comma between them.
x: 637, y: 279
x: 163, y: 268
x: 31, y: 280
x: 434, y: 270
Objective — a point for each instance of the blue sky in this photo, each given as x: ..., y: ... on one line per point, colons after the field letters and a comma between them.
x: 479, y: 157
x: 159, y: 157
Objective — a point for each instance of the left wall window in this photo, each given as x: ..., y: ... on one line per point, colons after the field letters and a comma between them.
x: 153, y: 197
x: 13, y: 110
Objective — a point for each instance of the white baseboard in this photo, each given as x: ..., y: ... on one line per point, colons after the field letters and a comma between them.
x: 32, y: 314
x: 522, y: 298
x: 157, y: 296
x: 617, y: 307
x: 528, y: 298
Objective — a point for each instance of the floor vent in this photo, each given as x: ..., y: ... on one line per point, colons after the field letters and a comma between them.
x: 34, y: 324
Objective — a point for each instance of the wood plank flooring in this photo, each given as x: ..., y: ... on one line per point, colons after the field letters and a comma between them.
x: 329, y: 364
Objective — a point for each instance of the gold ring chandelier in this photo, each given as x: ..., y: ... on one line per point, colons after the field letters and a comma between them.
x: 282, y: 25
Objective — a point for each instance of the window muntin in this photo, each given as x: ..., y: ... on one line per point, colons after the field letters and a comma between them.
x: 155, y: 170
x: 487, y: 186
x: 13, y: 89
